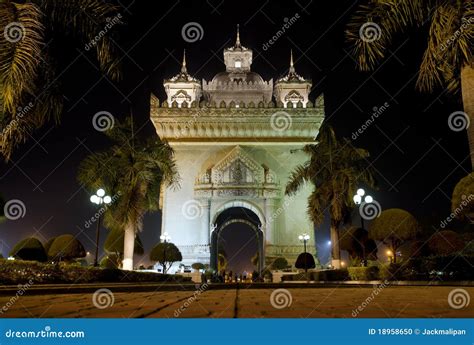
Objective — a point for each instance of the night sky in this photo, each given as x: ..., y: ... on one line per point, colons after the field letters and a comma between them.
x: 417, y: 158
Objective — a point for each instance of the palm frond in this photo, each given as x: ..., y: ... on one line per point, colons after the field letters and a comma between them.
x: 20, y: 51
x: 92, y: 21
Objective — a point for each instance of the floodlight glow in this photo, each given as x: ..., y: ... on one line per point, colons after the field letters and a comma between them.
x: 100, y: 192
x: 360, y: 192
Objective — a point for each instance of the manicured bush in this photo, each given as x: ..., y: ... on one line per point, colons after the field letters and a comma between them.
x: 198, y: 266
x: 67, y: 248
x: 280, y: 263
x: 363, y: 273
x: 165, y: 254
x: 29, y: 249
x: 18, y: 271
x: 305, y: 261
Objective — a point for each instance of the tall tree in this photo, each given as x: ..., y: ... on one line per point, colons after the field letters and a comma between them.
x: 448, y: 58
x: 133, y: 169
x: 29, y: 92
x: 394, y: 227
x: 336, y: 169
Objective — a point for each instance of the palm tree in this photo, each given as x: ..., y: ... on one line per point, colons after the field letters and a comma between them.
x: 336, y: 169
x: 448, y: 58
x: 133, y: 170
x: 29, y: 92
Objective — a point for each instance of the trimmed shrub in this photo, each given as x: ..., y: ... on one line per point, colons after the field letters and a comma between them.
x: 363, y: 273
x: 29, y: 249
x: 66, y: 247
x: 280, y: 263
x: 305, y: 261
x: 198, y: 266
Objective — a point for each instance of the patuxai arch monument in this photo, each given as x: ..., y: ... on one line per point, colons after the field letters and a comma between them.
x: 236, y: 139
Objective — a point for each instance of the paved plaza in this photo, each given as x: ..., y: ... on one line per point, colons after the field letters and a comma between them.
x: 244, y: 302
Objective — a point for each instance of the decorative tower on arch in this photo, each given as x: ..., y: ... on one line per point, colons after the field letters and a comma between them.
x: 292, y: 88
x: 182, y: 89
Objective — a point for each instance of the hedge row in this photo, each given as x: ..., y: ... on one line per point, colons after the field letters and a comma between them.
x: 443, y: 268
x: 18, y: 271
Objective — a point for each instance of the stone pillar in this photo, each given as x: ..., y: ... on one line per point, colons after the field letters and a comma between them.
x: 206, y: 221
x: 270, y: 219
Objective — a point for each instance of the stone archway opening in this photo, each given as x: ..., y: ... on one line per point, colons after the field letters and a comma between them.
x: 238, y: 236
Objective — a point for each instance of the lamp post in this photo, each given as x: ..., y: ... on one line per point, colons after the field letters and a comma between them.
x: 99, y: 198
x: 358, y: 200
x: 304, y: 237
x: 165, y: 238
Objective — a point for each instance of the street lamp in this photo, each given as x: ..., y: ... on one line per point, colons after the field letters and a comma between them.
x: 304, y: 237
x: 165, y: 237
x: 358, y: 200
x: 99, y: 198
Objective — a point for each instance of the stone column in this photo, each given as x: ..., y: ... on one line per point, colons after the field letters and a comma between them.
x: 206, y: 221
x: 270, y: 218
